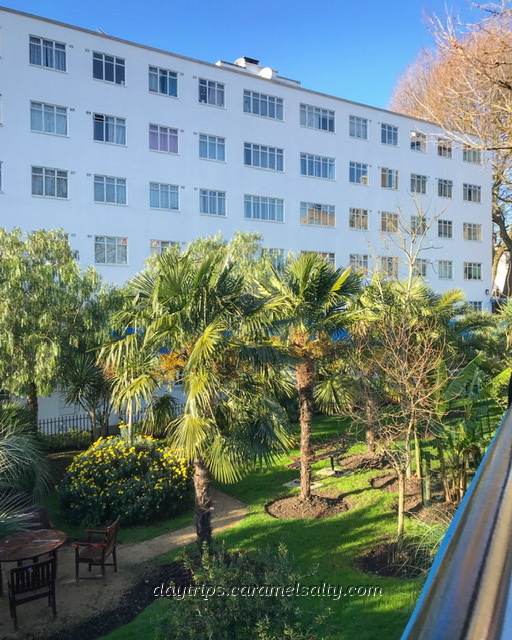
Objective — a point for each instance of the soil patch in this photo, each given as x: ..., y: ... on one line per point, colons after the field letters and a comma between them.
x: 389, y: 482
x: 321, y: 505
x: 365, y: 461
x: 397, y: 561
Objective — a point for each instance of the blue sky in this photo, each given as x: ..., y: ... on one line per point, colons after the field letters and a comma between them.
x: 354, y: 50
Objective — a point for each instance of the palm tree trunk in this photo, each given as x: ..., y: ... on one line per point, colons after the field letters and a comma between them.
x: 401, y: 504
x: 33, y: 402
x: 203, y: 504
x: 305, y: 384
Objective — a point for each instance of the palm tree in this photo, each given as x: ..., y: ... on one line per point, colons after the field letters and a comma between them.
x: 195, y: 314
x: 310, y: 298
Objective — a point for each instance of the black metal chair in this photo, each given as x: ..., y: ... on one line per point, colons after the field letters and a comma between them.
x: 96, y: 553
x: 32, y: 582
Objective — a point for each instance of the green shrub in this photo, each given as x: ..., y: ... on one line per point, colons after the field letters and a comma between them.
x: 205, y: 610
x: 71, y: 440
x: 141, y: 482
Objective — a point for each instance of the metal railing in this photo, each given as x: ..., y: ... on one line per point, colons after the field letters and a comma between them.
x: 467, y: 595
x: 63, y: 424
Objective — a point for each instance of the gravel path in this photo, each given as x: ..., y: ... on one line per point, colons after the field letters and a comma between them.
x: 82, y: 606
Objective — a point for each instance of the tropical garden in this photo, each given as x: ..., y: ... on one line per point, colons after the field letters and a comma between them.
x: 273, y: 363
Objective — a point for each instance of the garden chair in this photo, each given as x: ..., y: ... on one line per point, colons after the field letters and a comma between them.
x: 30, y: 583
x: 97, y: 553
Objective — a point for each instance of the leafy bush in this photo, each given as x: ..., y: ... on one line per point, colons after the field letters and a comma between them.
x: 141, y: 482
x: 205, y: 610
x: 71, y: 440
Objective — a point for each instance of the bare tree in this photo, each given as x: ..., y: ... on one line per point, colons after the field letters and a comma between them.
x: 465, y: 86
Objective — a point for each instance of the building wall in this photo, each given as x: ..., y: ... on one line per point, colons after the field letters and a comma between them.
x: 83, y: 157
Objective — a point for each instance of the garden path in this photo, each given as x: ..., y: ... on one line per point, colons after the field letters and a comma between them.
x: 90, y: 598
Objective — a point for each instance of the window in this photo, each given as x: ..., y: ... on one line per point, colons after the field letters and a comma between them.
x: 445, y: 269
x: 48, y: 118
x: 444, y: 148
x: 418, y: 225
x: 259, y: 104
x: 109, y: 129
x: 388, y: 221
x: 420, y: 267
x: 276, y: 257
x: 159, y: 246
x: 358, y: 262
x: 418, y: 183
x: 164, y: 196
x: 51, y: 183
x: 444, y: 188
x: 472, y: 231
x: 358, y: 219
x: 418, y: 141
x: 328, y: 256
x: 263, y: 208
x: 475, y: 305
x: 109, y: 190
x: 358, y: 173
x: 108, y: 68
x: 389, y: 266
x: 444, y: 229
x: 472, y: 193
x: 212, y: 203
x: 211, y: 92
x: 110, y: 250
x: 469, y: 154
x: 389, y: 134
x: 259, y: 155
x: 47, y: 53
x: 389, y: 178
x: 472, y: 271
x: 316, y: 118
x: 358, y: 127
x: 163, y: 139
x: 320, y: 215
x: 316, y: 166
x: 212, y: 147
x: 163, y: 81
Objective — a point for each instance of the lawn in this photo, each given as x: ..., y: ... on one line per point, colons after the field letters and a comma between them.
x: 325, y: 550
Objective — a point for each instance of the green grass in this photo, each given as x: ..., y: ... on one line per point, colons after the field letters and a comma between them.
x: 324, y: 549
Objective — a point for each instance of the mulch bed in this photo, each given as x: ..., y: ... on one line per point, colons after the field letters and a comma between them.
x: 135, y: 600
x: 321, y: 505
x: 387, y: 559
x: 365, y: 461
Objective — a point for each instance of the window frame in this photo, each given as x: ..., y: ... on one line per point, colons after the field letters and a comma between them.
x: 418, y: 139
x: 45, y: 110
x: 171, y: 194
x: 115, y: 122
x: 273, y: 103
x: 388, y: 266
x: 419, y: 180
x: 359, y: 171
x: 389, y: 222
x: 254, y: 151
x: 355, y: 124
x: 212, y: 142
x: 117, y: 263
x: 469, y: 191
x: 313, y: 117
x: 316, y: 214
x: 445, y: 188
x: 359, y: 261
x: 214, y: 93
x: 444, y: 147
x: 314, y: 166
x: 215, y: 201
x: 43, y: 54
x: 156, y: 248
x: 445, y: 269
x: 389, y: 134
x: 469, y: 152
x: 472, y: 268
x: 119, y: 185
x: 445, y: 229
x: 472, y: 229
x: 161, y: 132
x: 159, y: 76
x: 358, y: 219
x: 117, y: 63
x: 388, y: 178
x: 45, y: 178
x: 263, y: 208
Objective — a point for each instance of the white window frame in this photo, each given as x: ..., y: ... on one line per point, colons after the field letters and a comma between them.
x: 358, y: 127
x: 163, y: 82
x: 418, y: 225
x: 444, y: 188
x: 110, y: 66
x: 445, y: 269
x: 318, y: 215
x: 110, y: 129
x: 47, y: 180
x: 263, y: 208
x: 445, y: 229
x: 358, y: 173
x: 120, y: 257
x: 50, y: 53
x: 211, y: 92
x: 276, y: 257
x: 359, y: 261
x: 50, y: 116
x: 212, y: 147
x: 476, y: 305
x: 157, y: 247
x: 388, y: 266
x: 418, y: 183
x: 389, y: 134
x: 167, y: 195
x: 262, y: 156
x: 328, y: 256
x: 472, y: 271
x: 166, y: 138
x: 358, y: 219
x: 317, y: 118
x: 388, y: 178
x: 261, y: 104
x: 444, y: 147
x: 470, y: 154
x: 389, y: 222
x: 212, y: 203
x: 314, y: 166
x: 420, y: 267
x: 471, y: 193
x: 110, y: 185
x: 472, y: 231
x: 418, y: 142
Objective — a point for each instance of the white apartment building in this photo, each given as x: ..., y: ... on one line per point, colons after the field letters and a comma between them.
x: 130, y: 149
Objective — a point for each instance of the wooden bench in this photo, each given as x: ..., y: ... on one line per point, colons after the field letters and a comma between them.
x: 322, y: 452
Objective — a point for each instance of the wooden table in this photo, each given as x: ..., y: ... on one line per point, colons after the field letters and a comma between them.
x: 29, y: 545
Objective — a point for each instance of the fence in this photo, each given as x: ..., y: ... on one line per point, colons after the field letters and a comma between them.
x: 62, y: 424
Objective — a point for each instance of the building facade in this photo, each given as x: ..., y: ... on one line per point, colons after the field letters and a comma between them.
x: 130, y: 149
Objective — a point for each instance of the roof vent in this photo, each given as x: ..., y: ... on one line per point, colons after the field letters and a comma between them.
x: 241, y: 62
